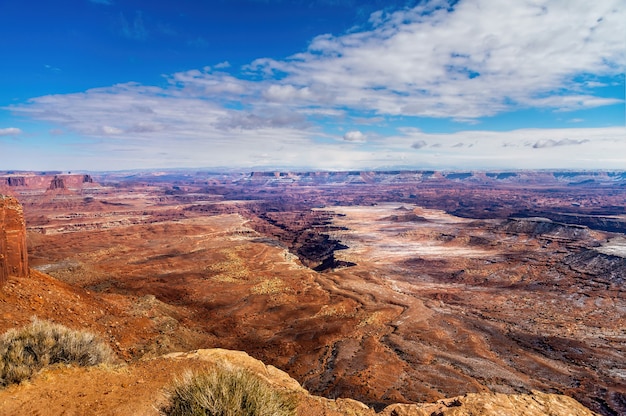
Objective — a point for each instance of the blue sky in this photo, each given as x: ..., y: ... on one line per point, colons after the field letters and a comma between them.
x: 318, y: 84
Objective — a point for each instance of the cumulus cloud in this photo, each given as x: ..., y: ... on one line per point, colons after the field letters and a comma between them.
x: 354, y: 136
x: 143, y: 126
x: 212, y: 85
x: 10, y: 131
x: 540, y: 144
x: 462, y: 60
x: 284, y: 93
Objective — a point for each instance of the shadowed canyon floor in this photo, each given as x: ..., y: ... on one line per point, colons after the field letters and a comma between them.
x: 382, y: 289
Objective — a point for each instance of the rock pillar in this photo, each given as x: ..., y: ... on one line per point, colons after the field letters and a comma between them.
x: 13, y: 254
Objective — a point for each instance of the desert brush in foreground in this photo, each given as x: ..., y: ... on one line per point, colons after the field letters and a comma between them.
x: 24, y: 351
x: 227, y: 392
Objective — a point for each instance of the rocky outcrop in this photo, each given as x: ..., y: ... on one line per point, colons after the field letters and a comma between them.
x: 15, y: 181
x: 13, y: 255
x: 57, y: 183
x: 601, y: 264
x: 610, y: 219
x: 545, y: 227
x: 536, y: 403
x: 139, y: 390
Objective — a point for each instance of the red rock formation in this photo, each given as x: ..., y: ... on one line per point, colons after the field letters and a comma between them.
x: 15, y: 181
x: 41, y: 182
x: 57, y: 183
x: 13, y: 255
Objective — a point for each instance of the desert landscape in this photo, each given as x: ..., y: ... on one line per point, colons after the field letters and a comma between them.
x: 386, y: 288
x: 313, y: 208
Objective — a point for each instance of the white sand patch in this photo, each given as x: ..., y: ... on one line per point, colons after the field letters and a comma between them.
x: 372, y: 238
x: 615, y: 247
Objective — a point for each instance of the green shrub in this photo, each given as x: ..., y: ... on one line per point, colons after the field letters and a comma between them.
x: 25, y: 351
x: 223, y: 392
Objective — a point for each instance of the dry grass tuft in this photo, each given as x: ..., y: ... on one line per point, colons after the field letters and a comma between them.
x: 224, y: 392
x: 25, y: 351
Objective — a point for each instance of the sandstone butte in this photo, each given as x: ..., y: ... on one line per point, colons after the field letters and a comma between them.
x: 139, y: 388
x: 13, y: 255
x: 44, y: 181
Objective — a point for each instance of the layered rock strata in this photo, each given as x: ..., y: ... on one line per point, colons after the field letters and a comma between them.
x: 42, y: 182
x: 13, y: 255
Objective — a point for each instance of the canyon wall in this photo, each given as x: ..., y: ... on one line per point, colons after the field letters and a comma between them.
x: 13, y: 255
x: 42, y: 182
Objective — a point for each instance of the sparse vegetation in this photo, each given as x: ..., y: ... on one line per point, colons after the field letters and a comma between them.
x: 226, y: 392
x: 25, y: 351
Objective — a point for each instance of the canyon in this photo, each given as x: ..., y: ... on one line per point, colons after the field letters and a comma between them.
x: 382, y: 287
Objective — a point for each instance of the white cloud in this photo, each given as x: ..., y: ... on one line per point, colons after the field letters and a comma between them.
x: 354, y: 136
x: 540, y: 144
x: 10, y: 131
x: 211, y: 85
x: 286, y: 93
x: 142, y: 126
x: 111, y: 131
x: 476, y: 59
x: 588, y: 148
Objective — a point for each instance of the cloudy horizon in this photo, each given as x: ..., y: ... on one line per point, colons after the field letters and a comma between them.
x: 473, y: 84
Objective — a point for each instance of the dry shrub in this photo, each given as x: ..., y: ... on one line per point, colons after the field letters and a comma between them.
x: 25, y: 351
x: 225, y: 392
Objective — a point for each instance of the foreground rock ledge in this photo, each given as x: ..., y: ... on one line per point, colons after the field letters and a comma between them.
x: 137, y: 389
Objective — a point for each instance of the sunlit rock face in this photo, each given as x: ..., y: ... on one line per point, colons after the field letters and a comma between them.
x: 13, y: 255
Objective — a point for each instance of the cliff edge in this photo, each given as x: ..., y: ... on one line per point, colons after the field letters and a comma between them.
x: 139, y: 389
x: 13, y: 254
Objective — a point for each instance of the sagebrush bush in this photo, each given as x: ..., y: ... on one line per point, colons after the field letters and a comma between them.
x: 225, y: 392
x: 24, y: 351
